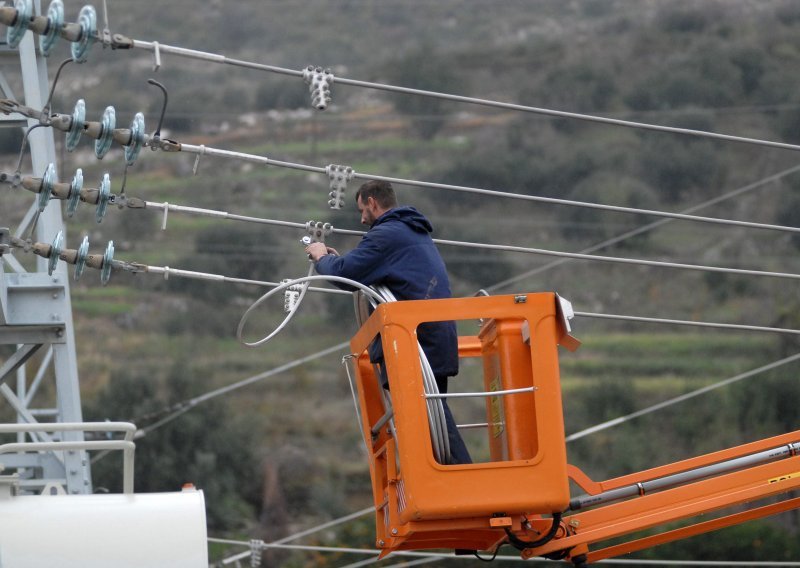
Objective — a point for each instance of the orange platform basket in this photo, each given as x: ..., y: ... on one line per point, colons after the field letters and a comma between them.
x: 421, y: 503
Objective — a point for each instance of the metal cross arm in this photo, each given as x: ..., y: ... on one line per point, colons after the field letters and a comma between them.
x: 18, y: 359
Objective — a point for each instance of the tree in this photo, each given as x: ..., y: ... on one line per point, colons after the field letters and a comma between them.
x: 209, y: 446
x: 608, y: 189
x: 424, y: 69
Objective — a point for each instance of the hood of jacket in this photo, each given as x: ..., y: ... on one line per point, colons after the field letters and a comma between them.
x: 408, y: 215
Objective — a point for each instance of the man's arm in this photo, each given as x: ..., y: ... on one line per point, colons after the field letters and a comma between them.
x: 365, y: 264
x: 318, y: 250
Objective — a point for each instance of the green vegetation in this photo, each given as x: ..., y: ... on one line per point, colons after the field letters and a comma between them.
x: 284, y: 453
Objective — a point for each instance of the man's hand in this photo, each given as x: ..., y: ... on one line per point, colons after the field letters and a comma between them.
x: 318, y: 250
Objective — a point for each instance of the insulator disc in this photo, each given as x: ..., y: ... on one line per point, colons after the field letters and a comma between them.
x: 87, y: 20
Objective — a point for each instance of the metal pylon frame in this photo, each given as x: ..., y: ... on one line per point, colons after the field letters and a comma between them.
x: 36, y: 311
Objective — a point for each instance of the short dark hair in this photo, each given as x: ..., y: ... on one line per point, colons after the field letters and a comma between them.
x: 381, y: 191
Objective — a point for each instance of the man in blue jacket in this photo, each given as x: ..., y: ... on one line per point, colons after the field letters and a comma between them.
x: 398, y: 252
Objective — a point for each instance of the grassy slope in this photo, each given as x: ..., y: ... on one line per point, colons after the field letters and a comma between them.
x: 132, y: 325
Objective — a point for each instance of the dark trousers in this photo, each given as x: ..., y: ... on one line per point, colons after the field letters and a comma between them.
x: 458, y: 450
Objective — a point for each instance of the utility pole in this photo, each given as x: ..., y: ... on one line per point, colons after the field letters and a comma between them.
x: 36, y: 311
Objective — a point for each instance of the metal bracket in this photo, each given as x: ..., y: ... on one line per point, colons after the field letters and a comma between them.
x: 291, y: 296
x: 4, y: 240
x: 256, y: 546
x: 18, y: 359
x: 565, y: 313
x: 339, y: 176
x: 318, y: 230
x: 319, y: 85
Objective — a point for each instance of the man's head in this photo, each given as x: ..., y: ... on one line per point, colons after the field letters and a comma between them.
x: 373, y: 199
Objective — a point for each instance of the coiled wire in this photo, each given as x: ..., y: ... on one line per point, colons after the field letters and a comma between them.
x: 375, y: 295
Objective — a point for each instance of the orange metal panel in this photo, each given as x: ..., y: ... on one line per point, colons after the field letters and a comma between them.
x: 423, y: 504
x: 694, y: 530
x: 686, y: 501
x: 686, y: 465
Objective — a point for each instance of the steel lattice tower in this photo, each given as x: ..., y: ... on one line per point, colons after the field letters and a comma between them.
x: 36, y: 311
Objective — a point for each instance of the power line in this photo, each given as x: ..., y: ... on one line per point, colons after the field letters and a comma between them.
x: 487, y: 246
x: 679, y: 399
x: 650, y: 226
x: 732, y: 326
x: 583, y: 433
x: 621, y: 562
x: 230, y: 154
x: 180, y: 408
x: 306, y: 532
x: 158, y: 48
x: 177, y: 409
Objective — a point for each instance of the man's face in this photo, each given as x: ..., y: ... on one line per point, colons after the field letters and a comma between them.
x: 367, y: 209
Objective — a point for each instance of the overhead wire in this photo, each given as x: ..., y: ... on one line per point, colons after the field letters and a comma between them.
x: 565, y: 202
x: 506, y: 248
x: 581, y: 434
x: 560, y: 114
x: 682, y: 398
x: 255, y: 158
x: 218, y: 58
x: 441, y: 556
x: 179, y: 408
x: 175, y: 410
x: 649, y: 227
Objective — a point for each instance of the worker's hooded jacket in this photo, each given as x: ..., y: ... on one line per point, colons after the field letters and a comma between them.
x: 398, y: 252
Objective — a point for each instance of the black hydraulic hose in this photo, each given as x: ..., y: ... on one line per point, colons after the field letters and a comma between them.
x: 520, y: 544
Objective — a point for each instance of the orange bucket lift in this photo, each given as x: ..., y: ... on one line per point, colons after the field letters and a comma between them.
x: 521, y: 495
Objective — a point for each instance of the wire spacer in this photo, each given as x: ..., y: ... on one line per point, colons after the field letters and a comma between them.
x: 108, y: 258
x: 87, y: 21
x: 137, y: 139
x: 55, y: 21
x: 319, y: 85
x: 76, y: 125
x: 80, y: 259
x: 256, y: 546
x: 55, y: 250
x: 103, y: 197
x: 318, y: 230
x: 339, y: 176
x: 46, y: 189
x: 17, y: 30
x: 291, y: 296
x: 107, y: 125
x: 75, y: 192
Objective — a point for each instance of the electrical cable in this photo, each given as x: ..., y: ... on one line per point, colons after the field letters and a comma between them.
x: 217, y: 58
x: 179, y: 408
x: 648, y: 227
x: 622, y: 260
x: 583, y: 117
x: 678, y: 399
x: 505, y: 248
x: 192, y: 149
x: 521, y: 544
x: 620, y: 562
x: 284, y: 285
x: 732, y: 326
x: 435, y: 406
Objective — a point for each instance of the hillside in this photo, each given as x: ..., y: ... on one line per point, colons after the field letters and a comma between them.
x: 285, y: 453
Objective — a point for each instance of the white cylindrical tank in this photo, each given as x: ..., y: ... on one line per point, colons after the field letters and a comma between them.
x: 99, y: 531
